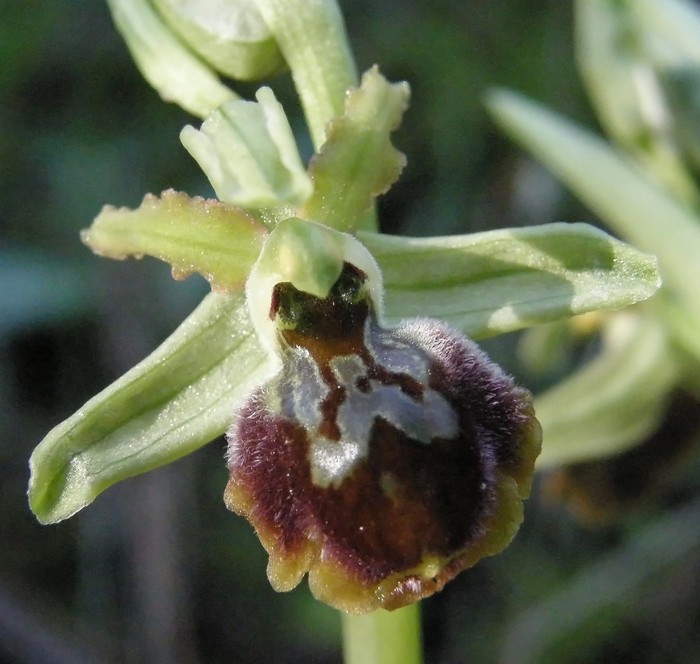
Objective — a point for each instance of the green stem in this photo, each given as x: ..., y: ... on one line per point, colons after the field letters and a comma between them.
x: 383, y: 637
x: 311, y: 36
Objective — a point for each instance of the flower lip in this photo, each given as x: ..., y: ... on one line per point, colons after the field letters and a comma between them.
x: 380, y: 461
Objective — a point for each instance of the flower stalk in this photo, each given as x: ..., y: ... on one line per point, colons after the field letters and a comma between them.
x: 383, y: 637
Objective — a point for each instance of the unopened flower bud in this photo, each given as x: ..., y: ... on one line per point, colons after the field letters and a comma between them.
x: 229, y: 34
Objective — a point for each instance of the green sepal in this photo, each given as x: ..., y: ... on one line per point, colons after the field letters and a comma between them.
x: 165, y: 62
x: 612, y: 186
x: 357, y: 162
x: 229, y: 34
x: 497, y: 281
x: 179, y: 398
x: 614, y: 401
x: 192, y: 234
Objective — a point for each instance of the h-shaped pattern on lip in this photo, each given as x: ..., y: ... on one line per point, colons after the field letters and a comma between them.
x: 366, y: 395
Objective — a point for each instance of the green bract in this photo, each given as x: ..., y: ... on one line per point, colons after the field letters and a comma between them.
x: 230, y: 35
x: 640, y: 62
x: 165, y: 62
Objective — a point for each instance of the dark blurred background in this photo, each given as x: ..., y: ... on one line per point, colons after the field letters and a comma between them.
x: 157, y: 570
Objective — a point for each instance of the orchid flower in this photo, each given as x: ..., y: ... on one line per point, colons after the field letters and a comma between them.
x: 371, y: 443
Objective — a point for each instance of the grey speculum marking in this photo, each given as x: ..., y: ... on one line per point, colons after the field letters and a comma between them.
x: 422, y: 419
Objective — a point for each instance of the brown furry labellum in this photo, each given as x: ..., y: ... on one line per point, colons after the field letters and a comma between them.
x: 382, y: 462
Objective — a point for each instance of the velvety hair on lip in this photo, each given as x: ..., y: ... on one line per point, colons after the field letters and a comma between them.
x: 381, y: 462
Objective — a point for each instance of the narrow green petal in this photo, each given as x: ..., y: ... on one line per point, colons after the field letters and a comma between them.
x: 357, y: 162
x: 179, y: 398
x: 229, y: 34
x: 168, y: 65
x: 614, y: 187
x: 192, y: 234
x: 614, y: 401
x: 498, y: 281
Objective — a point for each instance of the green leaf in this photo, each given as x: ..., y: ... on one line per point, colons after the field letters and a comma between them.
x: 676, y: 23
x: 498, y: 281
x: 179, y: 398
x: 229, y: 34
x: 167, y: 64
x: 248, y: 152
x: 619, y: 63
x: 610, y: 52
x: 576, y: 615
x: 614, y: 401
x: 614, y: 187
x: 192, y: 234
x: 357, y: 162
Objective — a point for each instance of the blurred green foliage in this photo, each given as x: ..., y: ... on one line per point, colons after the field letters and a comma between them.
x: 157, y: 570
